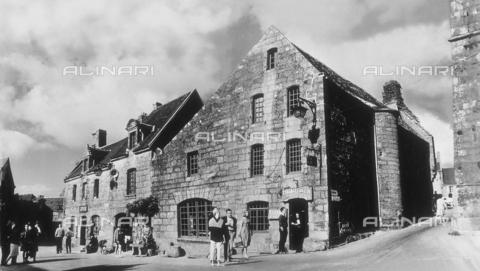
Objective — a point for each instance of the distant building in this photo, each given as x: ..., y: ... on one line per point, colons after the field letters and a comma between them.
x: 109, y: 176
x: 448, y: 189
x: 48, y: 212
x: 7, y: 190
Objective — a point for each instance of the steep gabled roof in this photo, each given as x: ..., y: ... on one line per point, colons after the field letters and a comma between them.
x: 166, y: 120
x: 112, y: 151
x: 346, y: 85
x: 161, y: 117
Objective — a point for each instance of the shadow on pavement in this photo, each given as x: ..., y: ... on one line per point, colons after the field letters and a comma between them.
x: 54, y: 260
x: 22, y: 267
x: 105, y: 267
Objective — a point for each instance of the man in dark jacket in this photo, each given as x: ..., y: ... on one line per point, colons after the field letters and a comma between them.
x: 283, y: 225
x: 230, y: 227
x: 217, y: 236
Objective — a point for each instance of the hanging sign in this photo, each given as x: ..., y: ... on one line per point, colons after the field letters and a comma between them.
x: 335, y: 196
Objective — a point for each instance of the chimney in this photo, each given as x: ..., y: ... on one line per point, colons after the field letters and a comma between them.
x: 392, y: 93
x: 156, y: 105
x: 99, y: 138
x: 142, y: 117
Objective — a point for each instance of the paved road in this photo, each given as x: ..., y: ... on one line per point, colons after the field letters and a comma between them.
x: 413, y: 248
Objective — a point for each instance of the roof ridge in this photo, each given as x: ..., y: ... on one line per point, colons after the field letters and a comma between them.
x: 331, y: 73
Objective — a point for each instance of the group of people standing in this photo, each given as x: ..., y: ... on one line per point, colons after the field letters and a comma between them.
x: 223, y: 231
x: 14, y: 237
x: 59, y: 234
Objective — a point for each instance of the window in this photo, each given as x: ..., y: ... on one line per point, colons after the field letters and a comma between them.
x: 84, y: 190
x: 257, y: 108
x: 293, y: 95
x: 294, y: 155
x: 96, y: 188
x: 74, y: 193
x: 133, y: 140
x: 131, y: 181
x: 192, y: 163
x: 271, y: 54
x: 193, y: 217
x: 256, y: 159
x: 85, y: 164
x: 258, y: 212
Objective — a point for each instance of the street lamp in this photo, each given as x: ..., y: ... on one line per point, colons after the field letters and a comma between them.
x: 299, y: 111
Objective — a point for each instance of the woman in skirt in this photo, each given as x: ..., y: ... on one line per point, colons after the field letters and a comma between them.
x: 245, y: 233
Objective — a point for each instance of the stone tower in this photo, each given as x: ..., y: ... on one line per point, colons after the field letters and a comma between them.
x: 465, y: 29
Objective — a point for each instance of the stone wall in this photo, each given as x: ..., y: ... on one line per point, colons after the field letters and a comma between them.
x: 388, y: 165
x: 465, y: 27
x: 224, y: 163
x: 351, y: 158
x: 110, y: 201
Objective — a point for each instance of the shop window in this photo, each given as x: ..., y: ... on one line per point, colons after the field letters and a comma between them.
x: 256, y: 159
x: 131, y: 181
x: 258, y: 212
x: 257, y: 108
x: 193, y: 217
x: 294, y: 155
x: 192, y: 163
x: 271, y: 61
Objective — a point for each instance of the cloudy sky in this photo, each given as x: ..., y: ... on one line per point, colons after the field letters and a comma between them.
x: 46, y: 119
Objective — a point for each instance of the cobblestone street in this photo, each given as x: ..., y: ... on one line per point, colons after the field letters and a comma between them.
x: 413, y: 248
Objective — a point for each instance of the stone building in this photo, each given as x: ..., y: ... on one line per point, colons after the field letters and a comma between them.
x: 7, y: 190
x: 465, y: 29
x: 111, y: 175
x: 246, y: 150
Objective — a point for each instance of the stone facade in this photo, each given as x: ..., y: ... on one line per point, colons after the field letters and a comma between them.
x: 109, y: 177
x: 465, y: 28
x: 358, y: 154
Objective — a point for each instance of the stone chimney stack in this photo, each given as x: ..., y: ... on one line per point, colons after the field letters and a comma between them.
x: 99, y: 138
x: 392, y: 93
x: 156, y: 105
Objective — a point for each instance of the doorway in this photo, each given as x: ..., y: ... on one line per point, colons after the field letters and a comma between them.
x: 83, y: 231
x: 297, y: 233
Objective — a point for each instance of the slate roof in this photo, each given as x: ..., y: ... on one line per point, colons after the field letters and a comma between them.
x: 53, y: 203
x: 348, y: 86
x: 27, y: 197
x: 112, y: 151
x: 159, y: 118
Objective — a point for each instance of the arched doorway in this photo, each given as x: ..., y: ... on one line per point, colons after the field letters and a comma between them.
x: 296, y: 235
x: 83, y: 231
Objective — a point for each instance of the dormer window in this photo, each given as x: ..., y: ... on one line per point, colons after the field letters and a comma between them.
x: 271, y: 55
x: 85, y: 164
x: 132, y: 142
